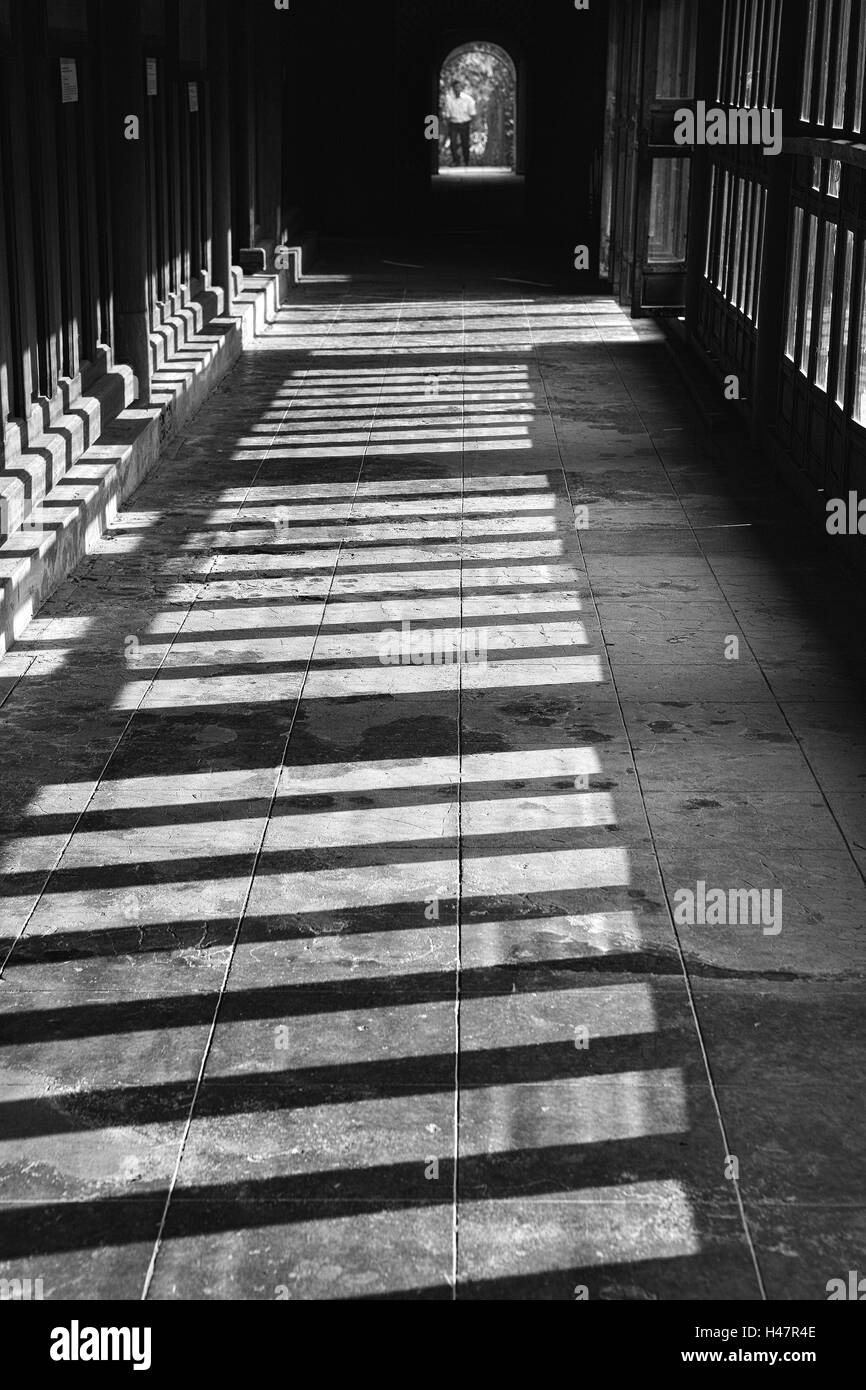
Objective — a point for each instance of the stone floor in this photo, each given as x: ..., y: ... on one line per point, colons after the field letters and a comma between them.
x: 490, y: 200
x: 330, y: 975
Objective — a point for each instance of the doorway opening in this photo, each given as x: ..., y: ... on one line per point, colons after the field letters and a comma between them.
x: 486, y: 92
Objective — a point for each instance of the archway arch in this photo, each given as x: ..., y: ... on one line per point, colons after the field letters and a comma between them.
x: 488, y: 72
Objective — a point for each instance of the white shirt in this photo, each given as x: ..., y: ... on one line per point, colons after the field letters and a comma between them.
x: 460, y: 108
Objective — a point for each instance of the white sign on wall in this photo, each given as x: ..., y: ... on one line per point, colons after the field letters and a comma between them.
x: 68, y: 80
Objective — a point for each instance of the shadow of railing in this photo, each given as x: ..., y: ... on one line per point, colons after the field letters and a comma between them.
x: 430, y: 884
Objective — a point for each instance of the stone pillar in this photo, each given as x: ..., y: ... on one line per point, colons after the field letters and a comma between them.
x: 706, y: 60
x: 774, y: 260
x: 268, y: 115
x: 128, y: 192
x: 218, y: 59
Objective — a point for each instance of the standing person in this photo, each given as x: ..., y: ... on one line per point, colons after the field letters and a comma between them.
x: 460, y: 112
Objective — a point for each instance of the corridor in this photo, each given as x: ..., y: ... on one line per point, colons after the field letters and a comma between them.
x: 350, y: 788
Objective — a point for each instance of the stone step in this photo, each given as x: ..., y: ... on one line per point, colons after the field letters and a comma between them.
x: 40, y: 466
x: 77, y: 501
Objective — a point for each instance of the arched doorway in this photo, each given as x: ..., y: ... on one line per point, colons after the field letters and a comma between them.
x: 487, y: 73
